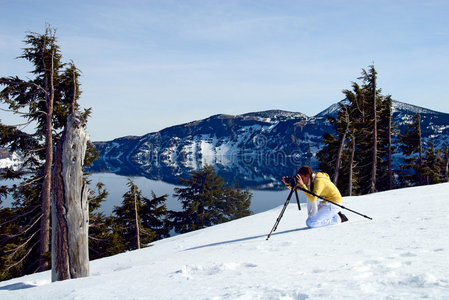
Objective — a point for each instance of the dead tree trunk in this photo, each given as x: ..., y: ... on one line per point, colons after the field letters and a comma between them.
x: 70, y: 213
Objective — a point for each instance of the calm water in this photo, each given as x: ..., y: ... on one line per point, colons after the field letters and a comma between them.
x: 116, y: 186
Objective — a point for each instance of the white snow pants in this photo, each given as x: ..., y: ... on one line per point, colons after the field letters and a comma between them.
x: 327, y: 214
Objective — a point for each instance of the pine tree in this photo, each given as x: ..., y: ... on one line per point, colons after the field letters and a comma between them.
x: 432, y: 165
x: 20, y: 232
x: 372, y: 106
x: 104, y: 237
x: 411, y: 146
x: 141, y: 220
x: 386, y: 130
x: 391, y: 129
x: 341, y: 125
x: 327, y: 156
x: 358, y: 156
x: 44, y: 101
x: 351, y: 165
x: 206, y: 201
x: 9, y: 267
x: 445, y: 162
x: 154, y: 216
x: 371, y: 78
x: 332, y: 156
x: 237, y: 202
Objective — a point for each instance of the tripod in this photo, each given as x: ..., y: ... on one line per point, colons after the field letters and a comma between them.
x: 318, y: 196
x: 294, y: 189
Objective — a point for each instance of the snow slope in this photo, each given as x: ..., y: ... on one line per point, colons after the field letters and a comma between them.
x: 401, y: 254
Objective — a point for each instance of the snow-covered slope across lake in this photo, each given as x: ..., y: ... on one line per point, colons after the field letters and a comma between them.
x: 401, y: 254
x: 251, y: 149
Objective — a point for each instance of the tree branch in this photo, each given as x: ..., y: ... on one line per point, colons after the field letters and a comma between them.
x: 34, y: 180
x: 39, y: 87
x: 21, y: 260
x: 15, y: 250
x: 23, y: 231
x: 20, y: 216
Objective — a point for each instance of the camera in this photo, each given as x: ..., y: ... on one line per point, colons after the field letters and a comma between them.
x: 292, y: 181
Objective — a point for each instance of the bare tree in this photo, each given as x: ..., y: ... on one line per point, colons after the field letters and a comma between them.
x: 70, y: 214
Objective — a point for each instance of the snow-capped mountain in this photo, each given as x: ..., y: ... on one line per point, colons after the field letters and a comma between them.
x: 250, y: 148
x: 10, y: 160
x: 253, y: 149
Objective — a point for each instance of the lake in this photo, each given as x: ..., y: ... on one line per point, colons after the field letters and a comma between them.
x: 116, y: 185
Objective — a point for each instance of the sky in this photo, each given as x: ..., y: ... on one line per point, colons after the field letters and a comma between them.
x: 400, y: 254
x: 148, y: 65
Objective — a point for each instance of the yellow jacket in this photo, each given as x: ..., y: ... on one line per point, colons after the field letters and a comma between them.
x: 323, y: 186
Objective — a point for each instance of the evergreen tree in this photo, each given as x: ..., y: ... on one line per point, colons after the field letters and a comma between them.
x: 334, y: 156
x: 237, y: 203
x: 445, y: 168
x: 9, y: 266
x: 386, y: 130
x: 342, y: 128
x: 331, y: 154
x: 410, y: 144
x: 44, y: 101
x: 154, y: 216
x: 104, y: 237
x: 351, y: 165
x: 141, y: 220
x: 368, y: 149
x: 432, y: 165
x: 327, y: 156
x: 358, y: 157
x: 20, y: 233
x: 206, y: 201
x: 370, y: 77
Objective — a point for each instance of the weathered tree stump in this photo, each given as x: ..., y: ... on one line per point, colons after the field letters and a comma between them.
x: 70, y: 207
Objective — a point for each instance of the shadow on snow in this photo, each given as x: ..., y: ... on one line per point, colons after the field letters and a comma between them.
x: 246, y: 239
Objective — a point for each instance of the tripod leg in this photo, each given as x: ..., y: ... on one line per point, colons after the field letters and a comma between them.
x: 297, y: 199
x: 281, y: 214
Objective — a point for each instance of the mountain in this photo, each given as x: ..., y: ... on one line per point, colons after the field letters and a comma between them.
x: 400, y: 254
x: 434, y: 125
x: 10, y: 160
x: 252, y: 149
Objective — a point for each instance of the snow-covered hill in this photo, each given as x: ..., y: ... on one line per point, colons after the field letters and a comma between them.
x: 401, y: 254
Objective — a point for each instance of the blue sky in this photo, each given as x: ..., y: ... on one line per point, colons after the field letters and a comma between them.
x: 147, y: 65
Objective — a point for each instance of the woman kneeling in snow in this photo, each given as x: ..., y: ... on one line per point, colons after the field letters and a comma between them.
x: 324, y: 213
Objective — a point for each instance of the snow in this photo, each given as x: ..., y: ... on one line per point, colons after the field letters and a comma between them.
x: 14, y: 161
x: 401, y: 254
